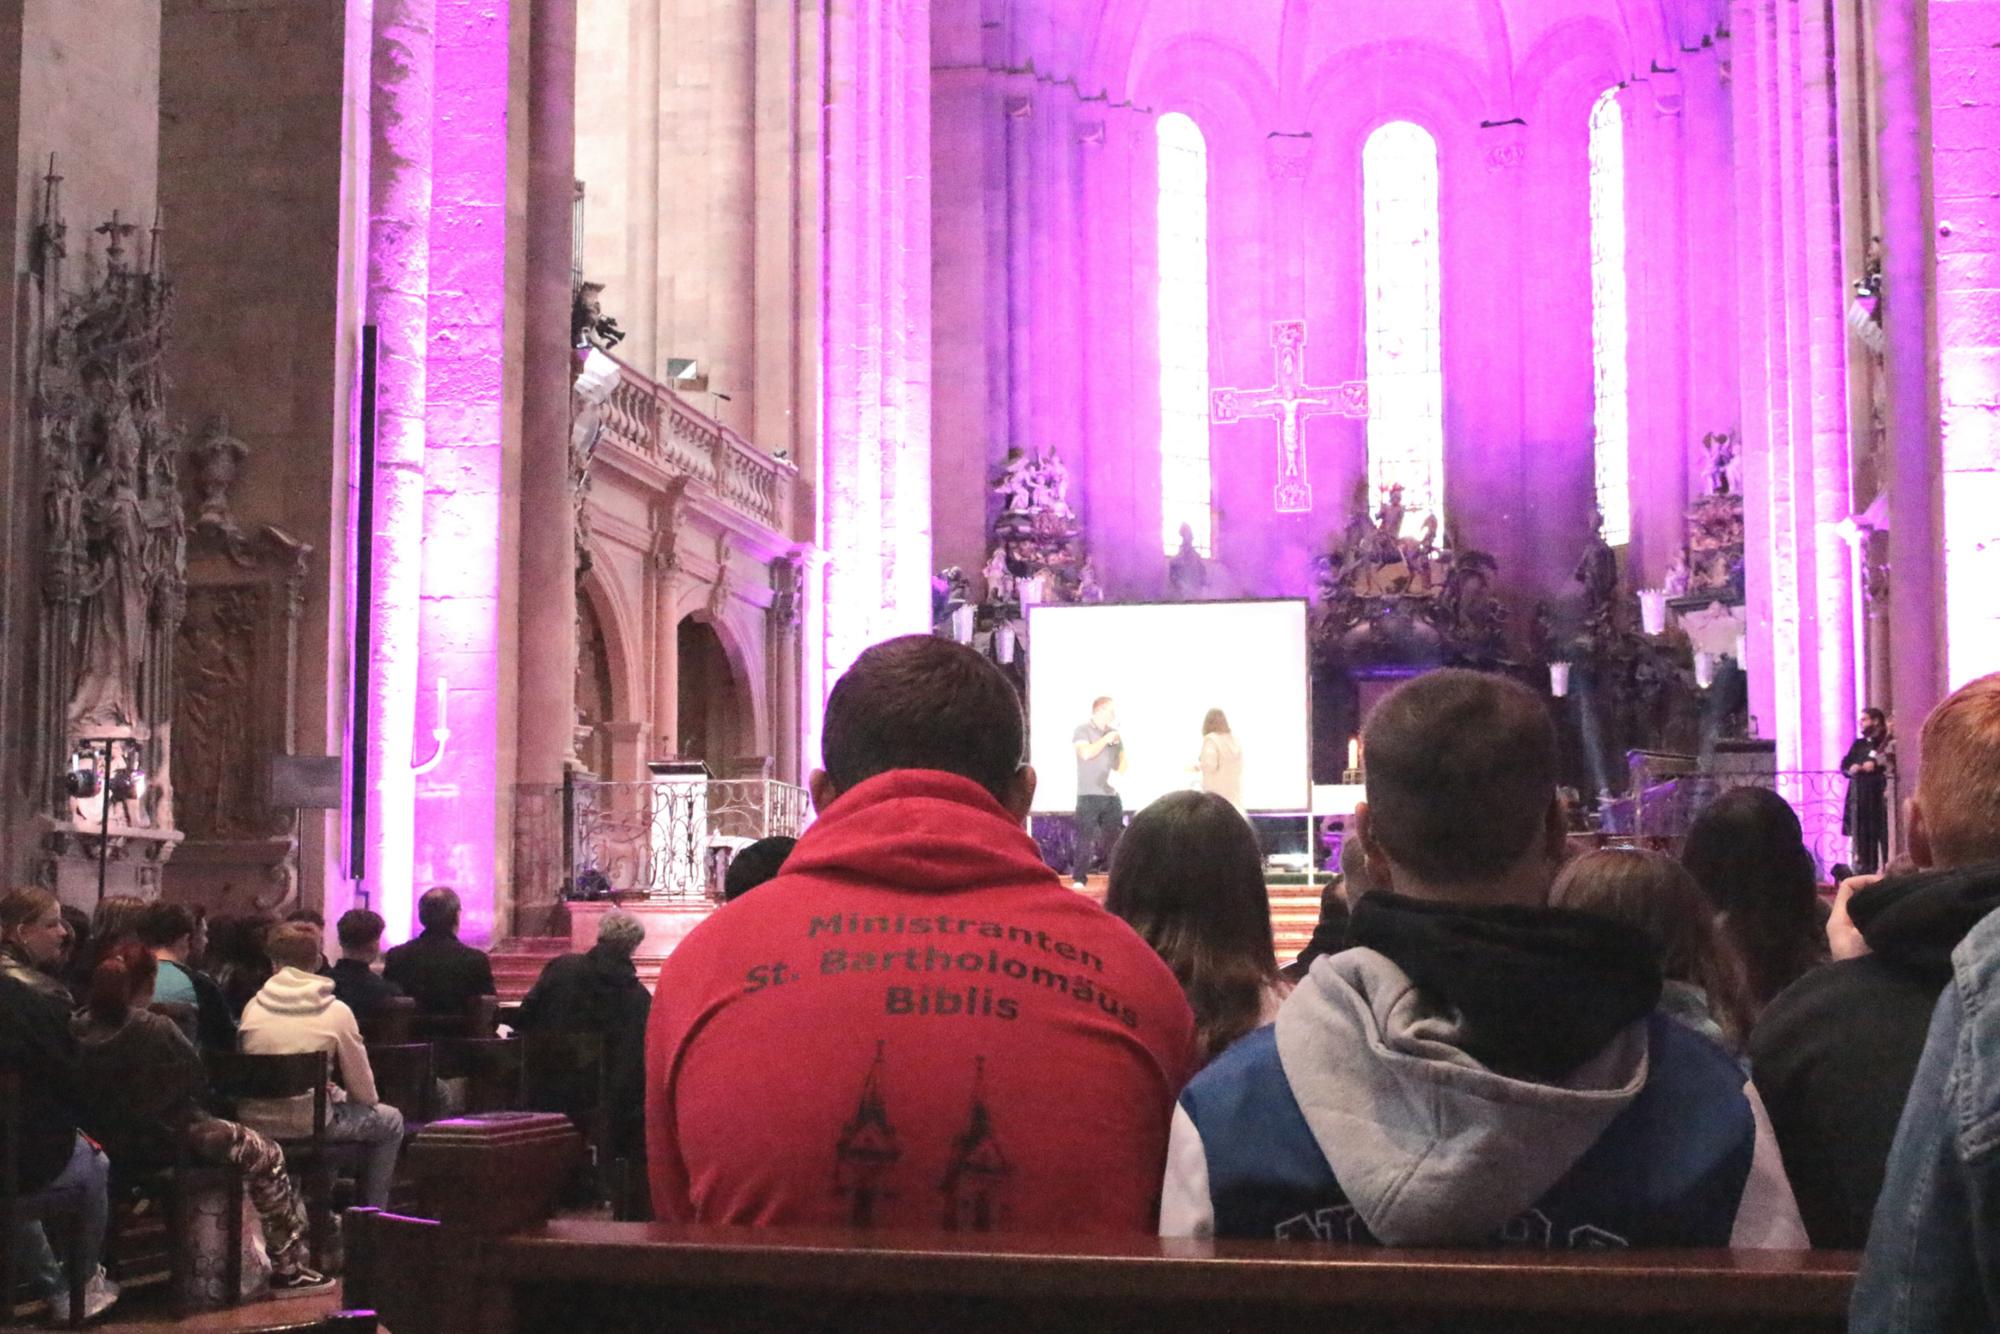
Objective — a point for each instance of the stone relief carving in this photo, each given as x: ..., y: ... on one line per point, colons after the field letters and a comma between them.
x: 115, y: 538
x: 725, y: 584
x: 218, y: 461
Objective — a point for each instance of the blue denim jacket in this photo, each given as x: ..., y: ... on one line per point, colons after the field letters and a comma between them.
x: 1933, y: 1258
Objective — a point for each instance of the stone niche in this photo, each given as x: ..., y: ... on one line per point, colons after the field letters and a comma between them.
x: 235, y: 692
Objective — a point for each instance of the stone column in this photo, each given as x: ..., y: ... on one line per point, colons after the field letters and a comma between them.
x: 546, y: 641
x: 399, y: 210
x: 547, y: 650
x: 1916, y: 558
x: 1019, y: 108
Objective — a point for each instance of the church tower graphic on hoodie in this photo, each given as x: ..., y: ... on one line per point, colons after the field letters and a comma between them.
x: 977, y: 1177
x: 867, y: 1148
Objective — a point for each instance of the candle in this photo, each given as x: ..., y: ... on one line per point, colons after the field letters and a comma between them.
x: 1354, y: 752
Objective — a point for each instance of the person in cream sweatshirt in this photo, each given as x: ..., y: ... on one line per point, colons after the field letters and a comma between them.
x: 295, y: 1012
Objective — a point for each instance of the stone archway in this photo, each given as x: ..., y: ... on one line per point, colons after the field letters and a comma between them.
x: 715, y: 721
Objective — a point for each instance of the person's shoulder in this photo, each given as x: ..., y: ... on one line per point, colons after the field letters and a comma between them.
x: 1247, y: 1072
x: 1082, y: 732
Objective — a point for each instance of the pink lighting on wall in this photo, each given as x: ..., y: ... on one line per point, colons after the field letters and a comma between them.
x: 458, y: 803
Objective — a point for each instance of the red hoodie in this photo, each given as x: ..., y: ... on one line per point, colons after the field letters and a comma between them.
x: 916, y: 1025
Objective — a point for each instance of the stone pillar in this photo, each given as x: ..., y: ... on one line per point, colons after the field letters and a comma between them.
x: 545, y: 649
x: 663, y: 617
x: 1965, y: 190
x: 400, y: 122
x: 546, y: 653
x: 1019, y: 107
x: 471, y: 445
x: 1916, y: 558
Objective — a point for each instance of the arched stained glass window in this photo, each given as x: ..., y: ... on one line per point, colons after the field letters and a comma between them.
x: 1186, y: 489
x: 1402, y: 274
x: 1609, y: 327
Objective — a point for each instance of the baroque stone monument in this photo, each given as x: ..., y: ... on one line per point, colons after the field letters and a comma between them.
x: 114, y: 548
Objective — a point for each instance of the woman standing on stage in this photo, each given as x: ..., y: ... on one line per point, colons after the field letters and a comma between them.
x: 1221, y: 761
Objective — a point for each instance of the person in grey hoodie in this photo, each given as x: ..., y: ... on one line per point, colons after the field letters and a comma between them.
x: 295, y: 1012
x: 1478, y: 1068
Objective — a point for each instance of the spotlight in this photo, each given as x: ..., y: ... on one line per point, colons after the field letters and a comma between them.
x: 128, y: 784
x: 81, y: 783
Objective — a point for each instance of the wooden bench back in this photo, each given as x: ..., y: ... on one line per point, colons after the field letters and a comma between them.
x: 494, y: 1262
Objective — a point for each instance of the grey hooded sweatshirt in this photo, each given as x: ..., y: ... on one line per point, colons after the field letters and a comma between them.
x: 1361, y: 1116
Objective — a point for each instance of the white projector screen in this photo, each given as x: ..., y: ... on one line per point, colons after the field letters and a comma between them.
x: 1165, y: 665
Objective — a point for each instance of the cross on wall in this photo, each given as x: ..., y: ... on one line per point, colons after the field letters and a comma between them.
x: 1290, y: 401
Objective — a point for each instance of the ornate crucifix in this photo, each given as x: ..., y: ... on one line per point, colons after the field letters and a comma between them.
x: 1290, y: 401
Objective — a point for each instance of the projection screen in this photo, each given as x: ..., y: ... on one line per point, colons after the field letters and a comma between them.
x: 1165, y: 665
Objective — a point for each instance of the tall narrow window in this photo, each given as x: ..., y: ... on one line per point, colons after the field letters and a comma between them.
x: 1401, y: 269
x: 1608, y: 319
x: 1186, y: 492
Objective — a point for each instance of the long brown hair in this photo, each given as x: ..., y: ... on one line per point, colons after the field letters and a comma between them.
x: 1189, y: 879
x: 1654, y: 893
x: 1748, y: 854
x: 125, y: 973
x: 18, y: 907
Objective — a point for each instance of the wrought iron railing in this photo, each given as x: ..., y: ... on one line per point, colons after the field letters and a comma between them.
x: 669, y: 838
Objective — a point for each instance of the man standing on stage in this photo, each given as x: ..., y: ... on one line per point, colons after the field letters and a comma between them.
x: 1100, y: 752
x: 1866, y: 819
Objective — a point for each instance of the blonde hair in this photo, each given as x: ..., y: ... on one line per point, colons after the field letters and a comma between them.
x: 1958, y: 785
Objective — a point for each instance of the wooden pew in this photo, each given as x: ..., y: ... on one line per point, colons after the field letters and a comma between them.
x: 491, y: 1261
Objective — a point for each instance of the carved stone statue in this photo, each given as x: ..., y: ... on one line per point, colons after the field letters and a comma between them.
x: 1048, y: 483
x: 1722, y: 465
x: 999, y: 578
x: 1597, y: 570
x: 1016, y: 485
x: 218, y: 461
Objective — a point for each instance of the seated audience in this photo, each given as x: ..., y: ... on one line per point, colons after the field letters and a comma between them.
x: 296, y: 1012
x: 444, y: 974
x: 1933, y: 1259
x: 1477, y: 1067
x: 929, y: 1028
x: 1749, y: 856
x: 1703, y: 984
x: 1336, y: 906
x: 1189, y: 879
x: 32, y: 938
x: 236, y: 958
x: 599, y: 991
x: 198, y: 1005
x: 356, y: 984
x: 754, y: 865
x: 50, y: 1154
x: 143, y: 1086
x: 1834, y: 1054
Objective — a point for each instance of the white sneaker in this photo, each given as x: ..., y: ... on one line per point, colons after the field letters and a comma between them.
x: 98, y: 1295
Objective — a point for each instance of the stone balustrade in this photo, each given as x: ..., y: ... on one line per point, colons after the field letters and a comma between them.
x: 652, y: 421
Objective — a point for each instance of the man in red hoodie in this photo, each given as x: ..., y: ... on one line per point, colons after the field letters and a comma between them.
x: 916, y: 1024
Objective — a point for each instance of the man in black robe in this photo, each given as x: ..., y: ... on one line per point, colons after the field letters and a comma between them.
x: 1866, y: 821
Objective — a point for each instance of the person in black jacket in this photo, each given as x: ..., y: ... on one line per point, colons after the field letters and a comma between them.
x: 598, y: 991
x: 1866, y: 818
x: 36, y: 1045
x: 444, y: 974
x: 1835, y: 1053
x: 355, y: 983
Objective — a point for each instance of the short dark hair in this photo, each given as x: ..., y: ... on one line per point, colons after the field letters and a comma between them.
x: 1461, y: 769
x: 163, y: 924
x: 754, y: 865
x: 437, y: 910
x: 359, y: 928
x: 921, y: 702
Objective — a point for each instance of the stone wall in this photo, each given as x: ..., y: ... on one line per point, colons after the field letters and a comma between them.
x: 256, y: 173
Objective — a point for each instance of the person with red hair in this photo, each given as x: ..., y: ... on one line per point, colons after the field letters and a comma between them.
x: 142, y: 1085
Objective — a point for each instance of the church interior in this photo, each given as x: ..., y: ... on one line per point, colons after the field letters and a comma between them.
x: 462, y: 442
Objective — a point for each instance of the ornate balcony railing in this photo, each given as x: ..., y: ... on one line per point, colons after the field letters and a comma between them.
x: 670, y: 839
x: 652, y: 421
